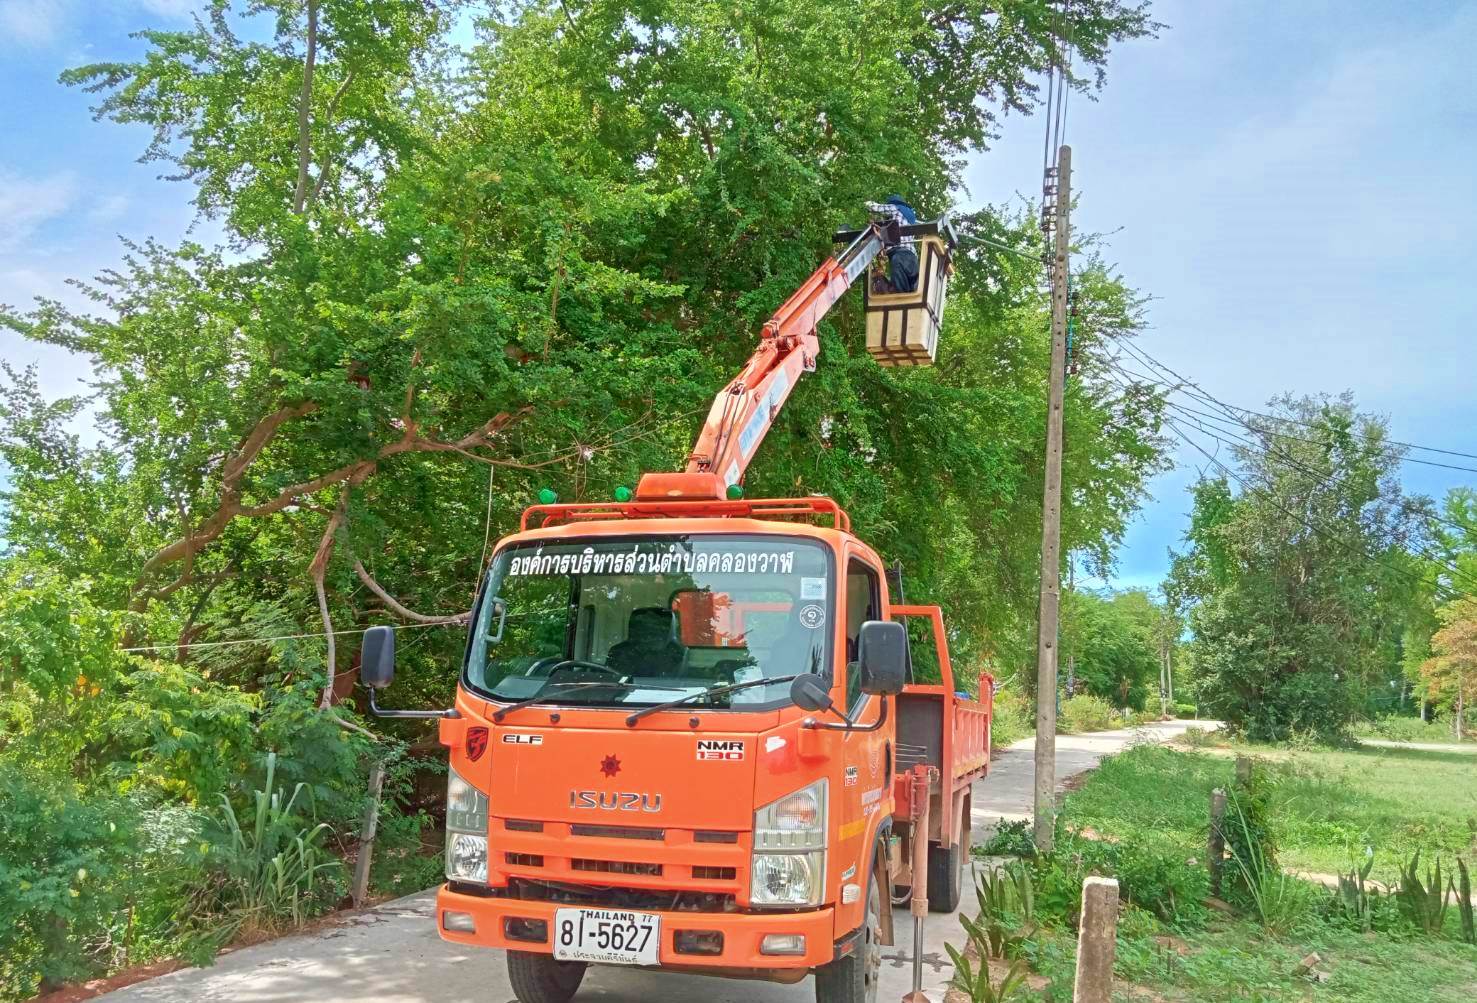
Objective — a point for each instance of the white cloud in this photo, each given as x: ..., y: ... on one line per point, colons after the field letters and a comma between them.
x: 27, y: 203
x: 33, y: 22
x: 170, y: 8
x: 108, y: 208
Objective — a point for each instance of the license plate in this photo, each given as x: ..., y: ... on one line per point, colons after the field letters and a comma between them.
x: 607, y: 936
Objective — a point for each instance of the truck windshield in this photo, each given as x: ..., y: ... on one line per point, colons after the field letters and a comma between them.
x: 662, y: 615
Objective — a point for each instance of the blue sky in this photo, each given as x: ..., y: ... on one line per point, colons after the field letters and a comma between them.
x: 1294, y: 183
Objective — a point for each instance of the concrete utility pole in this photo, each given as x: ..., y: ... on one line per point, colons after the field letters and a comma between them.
x: 1051, y: 520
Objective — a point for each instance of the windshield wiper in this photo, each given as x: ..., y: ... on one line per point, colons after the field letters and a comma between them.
x: 713, y: 691
x: 554, y: 689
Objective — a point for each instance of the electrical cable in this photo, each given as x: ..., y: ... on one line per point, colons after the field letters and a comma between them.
x: 1147, y: 359
x: 1456, y: 573
x: 1203, y: 416
x: 280, y: 637
x: 1184, y: 437
x: 1229, y: 416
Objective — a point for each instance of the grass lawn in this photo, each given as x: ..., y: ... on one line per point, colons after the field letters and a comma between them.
x: 1327, y: 807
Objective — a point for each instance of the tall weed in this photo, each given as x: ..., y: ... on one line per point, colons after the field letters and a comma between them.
x: 269, y: 866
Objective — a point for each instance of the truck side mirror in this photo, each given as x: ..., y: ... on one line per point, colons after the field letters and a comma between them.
x: 882, y: 657
x: 377, y: 658
x: 810, y: 692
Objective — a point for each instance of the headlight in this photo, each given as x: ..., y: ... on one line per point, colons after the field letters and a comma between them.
x: 466, y: 806
x: 794, y: 822
x: 466, y: 857
x: 466, y: 830
x: 787, y: 878
x: 789, y: 862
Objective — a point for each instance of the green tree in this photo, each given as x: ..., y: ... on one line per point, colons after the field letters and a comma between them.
x: 451, y: 277
x: 1111, y: 640
x: 1299, y: 581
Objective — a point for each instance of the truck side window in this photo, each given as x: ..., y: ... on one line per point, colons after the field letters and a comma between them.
x: 863, y: 603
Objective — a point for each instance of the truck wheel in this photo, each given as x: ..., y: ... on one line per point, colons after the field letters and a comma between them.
x: 538, y: 978
x: 854, y: 978
x: 946, y: 869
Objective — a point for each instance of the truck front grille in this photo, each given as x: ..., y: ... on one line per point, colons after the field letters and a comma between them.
x: 715, y: 873
x: 618, y: 832
x: 563, y: 893
x: 615, y: 867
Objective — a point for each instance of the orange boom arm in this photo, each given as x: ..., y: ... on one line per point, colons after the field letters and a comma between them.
x: 744, y: 411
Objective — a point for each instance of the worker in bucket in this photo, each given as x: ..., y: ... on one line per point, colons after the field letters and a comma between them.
x: 902, y: 258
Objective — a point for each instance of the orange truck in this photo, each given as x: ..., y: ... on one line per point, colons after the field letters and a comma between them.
x: 686, y: 734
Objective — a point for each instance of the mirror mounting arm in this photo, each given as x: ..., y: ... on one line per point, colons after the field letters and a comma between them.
x: 848, y: 725
x: 417, y: 714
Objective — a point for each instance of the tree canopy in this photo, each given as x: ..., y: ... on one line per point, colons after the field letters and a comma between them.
x: 454, y: 274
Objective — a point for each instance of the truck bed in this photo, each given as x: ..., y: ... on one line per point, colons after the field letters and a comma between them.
x: 941, y: 727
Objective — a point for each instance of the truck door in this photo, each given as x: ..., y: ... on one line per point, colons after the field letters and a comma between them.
x: 866, y: 792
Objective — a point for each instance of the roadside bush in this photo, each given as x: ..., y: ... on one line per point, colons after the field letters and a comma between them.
x: 1014, y: 718
x: 1011, y: 839
x: 1186, y: 710
x: 1401, y: 728
x: 1085, y: 712
x: 65, y: 865
x: 1197, y: 738
x: 1157, y: 877
x: 267, y: 865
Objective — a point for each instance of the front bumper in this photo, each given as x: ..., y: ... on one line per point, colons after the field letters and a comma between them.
x: 742, y: 931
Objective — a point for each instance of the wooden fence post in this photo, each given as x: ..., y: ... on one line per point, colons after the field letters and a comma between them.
x: 1097, y: 940
x: 1215, y: 854
x: 366, y: 833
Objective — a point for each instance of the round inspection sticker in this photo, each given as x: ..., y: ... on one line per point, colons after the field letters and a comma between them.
x: 812, y: 616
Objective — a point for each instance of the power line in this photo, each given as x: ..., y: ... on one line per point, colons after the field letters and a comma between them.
x: 193, y: 646
x: 1228, y: 417
x: 1208, y: 397
x: 1455, y: 572
x: 1184, y: 437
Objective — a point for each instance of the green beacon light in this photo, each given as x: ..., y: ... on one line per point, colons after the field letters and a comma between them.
x: 546, y: 496
x: 622, y: 494
x: 735, y: 492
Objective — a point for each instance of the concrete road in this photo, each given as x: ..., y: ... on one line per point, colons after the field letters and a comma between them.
x: 392, y: 954
x: 1379, y: 743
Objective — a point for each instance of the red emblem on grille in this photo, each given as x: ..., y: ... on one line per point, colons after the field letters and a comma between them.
x: 476, y: 743
x: 610, y: 766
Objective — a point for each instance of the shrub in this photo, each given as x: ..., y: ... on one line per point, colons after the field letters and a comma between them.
x: 1011, y: 839
x: 1424, y: 903
x: 1014, y: 718
x: 1186, y: 710
x: 1197, y: 738
x: 1402, y: 728
x: 1248, y: 830
x: 271, y: 871
x: 65, y: 864
x: 1158, y: 878
x: 1085, y: 712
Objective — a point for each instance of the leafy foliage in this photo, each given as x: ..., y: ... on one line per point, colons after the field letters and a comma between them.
x: 450, y: 276
x: 1297, y: 583
x: 1424, y: 902
x: 273, y: 869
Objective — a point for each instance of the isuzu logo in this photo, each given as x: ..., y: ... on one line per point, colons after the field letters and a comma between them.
x: 615, y: 801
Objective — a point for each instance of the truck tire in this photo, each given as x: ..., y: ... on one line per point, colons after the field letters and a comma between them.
x: 946, y: 868
x: 538, y: 978
x: 854, y: 978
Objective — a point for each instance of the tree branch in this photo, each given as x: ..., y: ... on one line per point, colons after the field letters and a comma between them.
x: 319, y: 570
x: 325, y: 168
x: 396, y: 607
x: 304, y: 133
